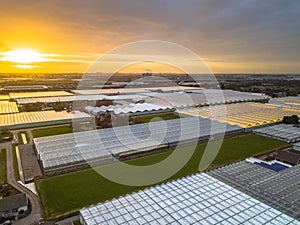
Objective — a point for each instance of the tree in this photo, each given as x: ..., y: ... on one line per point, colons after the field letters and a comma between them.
x: 290, y: 119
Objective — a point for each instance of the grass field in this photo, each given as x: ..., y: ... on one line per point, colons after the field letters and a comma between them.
x: 3, y: 177
x: 51, y: 131
x: 65, y: 194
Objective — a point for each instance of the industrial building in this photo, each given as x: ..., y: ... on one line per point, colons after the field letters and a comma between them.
x: 65, y: 152
x: 197, y: 199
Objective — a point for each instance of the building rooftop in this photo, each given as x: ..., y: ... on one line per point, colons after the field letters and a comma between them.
x: 246, y: 115
x: 13, y: 202
x: 8, y: 107
x: 25, y: 88
x: 284, y: 132
x: 64, y: 149
x: 125, y: 109
x: 130, y: 90
x: 36, y: 94
x: 293, y: 101
x: 197, y: 199
x: 288, y: 157
x: 40, y: 118
x: 56, y: 99
x: 277, y: 189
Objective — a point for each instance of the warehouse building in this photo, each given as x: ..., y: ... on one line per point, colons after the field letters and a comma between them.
x: 197, y: 199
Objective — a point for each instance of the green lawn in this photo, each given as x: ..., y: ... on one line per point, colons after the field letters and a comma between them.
x: 65, y: 194
x: 3, y: 177
x: 148, y: 118
x: 51, y: 131
x: 21, y: 139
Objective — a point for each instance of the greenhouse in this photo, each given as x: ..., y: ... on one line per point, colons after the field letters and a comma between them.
x: 197, y: 199
x: 8, y: 107
x: 40, y: 118
x: 58, y: 153
x: 16, y: 95
x: 293, y: 101
x: 283, y: 132
x: 131, y: 108
x: 4, y: 97
x: 131, y: 90
x: 279, y: 189
x: 246, y: 115
x: 202, y: 97
x: 57, y: 99
x: 296, y: 146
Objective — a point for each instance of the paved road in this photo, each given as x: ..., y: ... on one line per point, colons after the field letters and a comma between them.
x: 35, y: 214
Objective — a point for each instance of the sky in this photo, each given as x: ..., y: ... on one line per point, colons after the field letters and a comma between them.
x: 232, y: 36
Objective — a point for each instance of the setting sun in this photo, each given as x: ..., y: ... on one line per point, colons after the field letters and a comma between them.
x: 23, y: 56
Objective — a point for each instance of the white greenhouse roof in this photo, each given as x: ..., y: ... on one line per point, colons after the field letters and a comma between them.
x: 283, y: 132
x: 57, y: 99
x: 197, y: 199
x: 128, y: 108
x: 201, y: 97
x: 293, y: 101
x: 131, y: 90
x: 59, y: 150
x: 278, y: 189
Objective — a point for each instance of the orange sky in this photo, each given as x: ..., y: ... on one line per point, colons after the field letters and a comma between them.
x: 72, y: 35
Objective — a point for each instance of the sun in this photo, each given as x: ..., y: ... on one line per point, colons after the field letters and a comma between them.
x: 23, y: 56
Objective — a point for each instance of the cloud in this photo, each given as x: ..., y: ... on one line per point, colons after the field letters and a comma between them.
x: 230, y: 31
